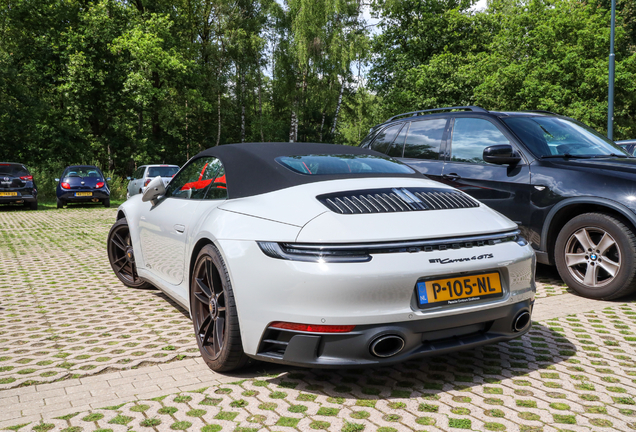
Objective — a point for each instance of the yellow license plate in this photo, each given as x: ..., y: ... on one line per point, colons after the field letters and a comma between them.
x: 83, y: 193
x: 458, y: 290
x: 8, y: 194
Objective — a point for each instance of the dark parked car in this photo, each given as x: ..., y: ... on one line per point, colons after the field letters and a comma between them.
x: 571, y: 190
x: 17, y: 185
x: 81, y: 184
x: 628, y: 145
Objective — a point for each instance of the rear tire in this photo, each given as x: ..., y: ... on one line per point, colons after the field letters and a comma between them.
x: 121, y: 256
x: 595, y: 255
x: 33, y: 205
x: 214, y: 315
x: 106, y: 202
x: 60, y: 203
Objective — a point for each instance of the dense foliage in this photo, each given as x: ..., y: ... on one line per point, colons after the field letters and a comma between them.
x: 121, y: 83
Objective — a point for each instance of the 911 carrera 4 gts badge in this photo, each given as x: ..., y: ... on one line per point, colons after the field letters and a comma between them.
x: 454, y: 260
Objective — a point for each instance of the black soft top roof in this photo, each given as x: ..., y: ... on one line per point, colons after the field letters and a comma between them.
x: 251, y: 168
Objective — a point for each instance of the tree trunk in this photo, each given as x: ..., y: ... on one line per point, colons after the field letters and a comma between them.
x: 156, y: 128
x: 322, y: 124
x: 335, y: 119
x: 186, y: 131
x: 292, y: 128
x: 218, y: 135
x: 260, y: 104
x: 241, y: 95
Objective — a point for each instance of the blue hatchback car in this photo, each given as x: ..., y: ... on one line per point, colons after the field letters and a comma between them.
x: 82, y: 184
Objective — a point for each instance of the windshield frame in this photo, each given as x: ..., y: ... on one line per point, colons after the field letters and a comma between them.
x: 609, y: 148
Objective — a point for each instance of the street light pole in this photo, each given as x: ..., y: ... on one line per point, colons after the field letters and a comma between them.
x: 610, y: 98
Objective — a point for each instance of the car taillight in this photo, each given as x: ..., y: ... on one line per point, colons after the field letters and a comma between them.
x: 99, y: 185
x: 313, y: 328
x: 29, y: 177
x: 65, y: 185
x: 146, y: 182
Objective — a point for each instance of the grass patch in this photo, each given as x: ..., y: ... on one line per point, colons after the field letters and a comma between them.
x: 287, y: 422
x: 121, y: 420
x: 459, y: 423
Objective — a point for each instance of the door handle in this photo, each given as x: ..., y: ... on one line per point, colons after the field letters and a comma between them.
x: 179, y: 228
x: 451, y: 176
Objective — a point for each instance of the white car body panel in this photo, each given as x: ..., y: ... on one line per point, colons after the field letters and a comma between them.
x: 304, y: 292
x: 166, y: 234
x: 257, y: 277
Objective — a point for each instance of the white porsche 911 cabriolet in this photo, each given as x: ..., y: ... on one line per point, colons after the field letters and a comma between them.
x: 325, y: 256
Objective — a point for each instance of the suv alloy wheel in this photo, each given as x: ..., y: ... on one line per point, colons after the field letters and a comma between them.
x: 595, y: 254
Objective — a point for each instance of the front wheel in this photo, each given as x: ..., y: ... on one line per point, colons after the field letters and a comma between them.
x: 214, y: 315
x: 122, y: 256
x: 595, y: 255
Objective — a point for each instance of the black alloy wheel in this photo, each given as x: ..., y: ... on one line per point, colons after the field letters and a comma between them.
x: 122, y: 256
x: 595, y: 254
x: 214, y: 315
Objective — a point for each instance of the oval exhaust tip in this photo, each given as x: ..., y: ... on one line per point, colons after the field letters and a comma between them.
x: 521, y: 321
x: 387, y: 346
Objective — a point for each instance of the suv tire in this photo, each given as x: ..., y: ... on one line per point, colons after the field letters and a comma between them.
x: 595, y: 255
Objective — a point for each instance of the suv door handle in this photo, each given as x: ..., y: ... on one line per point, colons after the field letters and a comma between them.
x: 451, y: 176
x: 179, y: 228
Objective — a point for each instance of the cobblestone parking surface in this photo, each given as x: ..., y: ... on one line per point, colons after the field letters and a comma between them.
x: 65, y: 317
x: 64, y: 312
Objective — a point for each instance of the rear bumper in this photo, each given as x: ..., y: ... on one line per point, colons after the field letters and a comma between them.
x: 96, y: 194
x: 421, y: 338
x: 369, y: 295
x: 20, y: 198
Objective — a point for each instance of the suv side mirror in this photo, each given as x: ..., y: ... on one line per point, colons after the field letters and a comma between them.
x: 108, y: 179
x: 128, y: 178
x: 501, y: 155
x: 154, y: 190
x: 57, y: 180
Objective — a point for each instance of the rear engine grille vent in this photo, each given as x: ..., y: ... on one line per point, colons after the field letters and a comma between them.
x: 396, y: 200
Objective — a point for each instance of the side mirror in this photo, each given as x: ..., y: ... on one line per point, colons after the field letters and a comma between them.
x: 501, y: 155
x: 57, y: 180
x: 154, y: 190
x: 108, y: 179
x: 128, y: 178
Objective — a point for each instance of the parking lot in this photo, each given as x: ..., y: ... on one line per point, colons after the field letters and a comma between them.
x: 79, y: 351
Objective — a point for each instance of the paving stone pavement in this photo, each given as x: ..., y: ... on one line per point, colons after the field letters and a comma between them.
x: 80, y: 352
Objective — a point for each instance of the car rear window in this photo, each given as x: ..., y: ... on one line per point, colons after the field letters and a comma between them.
x: 83, y: 172
x: 162, y: 171
x: 343, y: 164
x: 13, y: 170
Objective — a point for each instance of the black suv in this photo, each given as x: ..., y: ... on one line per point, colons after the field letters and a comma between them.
x: 17, y: 185
x: 571, y: 190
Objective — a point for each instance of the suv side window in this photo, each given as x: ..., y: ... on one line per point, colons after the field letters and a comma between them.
x: 203, y: 178
x: 385, y: 138
x: 397, y: 148
x: 425, y: 139
x: 471, y: 136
